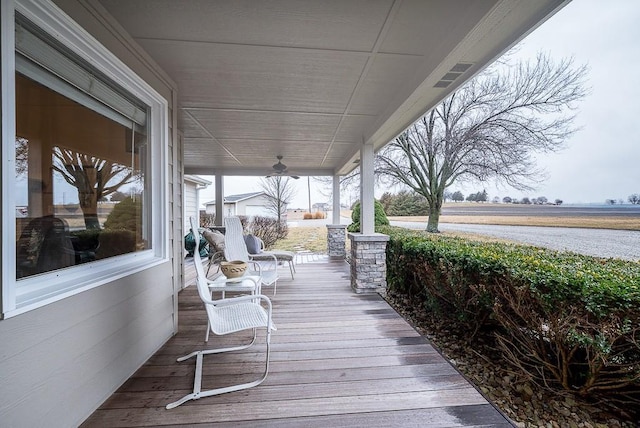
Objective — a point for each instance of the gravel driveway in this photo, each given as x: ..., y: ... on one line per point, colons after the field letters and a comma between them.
x: 621, y: 244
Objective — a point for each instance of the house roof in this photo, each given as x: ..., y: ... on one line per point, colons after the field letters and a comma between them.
x: 232, y: 199
x: 314, y: 81
x: 241, y: 197
x: 197, y: 180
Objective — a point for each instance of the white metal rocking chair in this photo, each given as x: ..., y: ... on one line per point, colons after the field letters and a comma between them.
x: 227, y: 316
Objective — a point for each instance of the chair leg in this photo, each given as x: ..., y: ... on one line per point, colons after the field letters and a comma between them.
x: 291, y: 268
x: 197, y: 381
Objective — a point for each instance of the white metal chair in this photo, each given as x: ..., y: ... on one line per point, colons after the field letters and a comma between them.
x: 222, y: 284
x: 280, y: 255
x: 236, y: 249
x: 227, y: 316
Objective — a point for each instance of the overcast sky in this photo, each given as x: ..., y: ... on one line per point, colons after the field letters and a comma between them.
x: 602, y: 160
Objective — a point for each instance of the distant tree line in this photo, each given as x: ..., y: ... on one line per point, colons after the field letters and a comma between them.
x: 633, y: 199
x: 458, y: 196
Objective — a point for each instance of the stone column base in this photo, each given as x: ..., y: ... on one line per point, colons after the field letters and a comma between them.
x: 336, y: 241
x: 368, y: 263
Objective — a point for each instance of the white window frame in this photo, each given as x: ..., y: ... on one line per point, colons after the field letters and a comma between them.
x: 27, y: 294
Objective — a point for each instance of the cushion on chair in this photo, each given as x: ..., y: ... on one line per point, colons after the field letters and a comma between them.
x: 253, y: 244
x: 215, y: 240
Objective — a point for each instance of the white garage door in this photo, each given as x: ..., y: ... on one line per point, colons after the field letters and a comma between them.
x: 257, y: 210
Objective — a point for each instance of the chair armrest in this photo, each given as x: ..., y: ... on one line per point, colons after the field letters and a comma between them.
x: 241, y: 299
x: 265, y: 255
x: 216, y: 256
x: 256, y: 265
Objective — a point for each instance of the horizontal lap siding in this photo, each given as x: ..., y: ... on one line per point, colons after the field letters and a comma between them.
x: 190, y: 203
x: 83, y: 348
x: 60, y: 362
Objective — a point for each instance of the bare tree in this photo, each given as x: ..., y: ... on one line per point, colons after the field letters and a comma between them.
x: 488, y: 129
x: 94, y: 178
x: 349, y: 185
x: 279, y: 191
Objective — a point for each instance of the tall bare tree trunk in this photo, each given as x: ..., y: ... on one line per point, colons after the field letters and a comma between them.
x: 434, y: 218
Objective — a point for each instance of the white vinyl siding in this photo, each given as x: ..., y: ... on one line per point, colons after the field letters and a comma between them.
x: 59, y: 362
x: 190, y: 201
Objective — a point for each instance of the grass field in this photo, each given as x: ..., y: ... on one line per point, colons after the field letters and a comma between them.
x: 311, y: 239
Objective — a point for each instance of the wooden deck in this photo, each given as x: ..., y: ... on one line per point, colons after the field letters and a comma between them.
x: 338, y: 359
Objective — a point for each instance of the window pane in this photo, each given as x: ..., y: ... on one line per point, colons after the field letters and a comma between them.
x: 81, y: 189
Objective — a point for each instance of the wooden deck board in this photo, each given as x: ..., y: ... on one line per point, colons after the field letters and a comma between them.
x: 337, y: 359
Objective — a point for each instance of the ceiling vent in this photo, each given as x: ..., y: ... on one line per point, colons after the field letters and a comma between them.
x: 455, y: 72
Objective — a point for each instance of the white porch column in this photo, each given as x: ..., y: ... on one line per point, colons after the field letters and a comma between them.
x: 367, y: 226
x: 336, y: 200
x: 368, y: 249
x: 219, y: 221
x: 336, y: 232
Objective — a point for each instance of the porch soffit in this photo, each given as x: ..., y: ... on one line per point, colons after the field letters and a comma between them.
x: 310, y: 80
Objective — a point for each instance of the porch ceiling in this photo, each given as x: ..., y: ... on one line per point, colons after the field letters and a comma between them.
x: 312, y: 80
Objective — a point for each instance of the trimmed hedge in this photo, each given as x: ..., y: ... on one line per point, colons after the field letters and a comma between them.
x: 566, y: 321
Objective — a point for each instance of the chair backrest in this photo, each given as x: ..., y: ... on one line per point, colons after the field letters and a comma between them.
x: 47, y: 242
x: 234, y: 246
x: 201, y: 277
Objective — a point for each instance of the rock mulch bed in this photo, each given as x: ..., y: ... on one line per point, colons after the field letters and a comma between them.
x: 526, y: 404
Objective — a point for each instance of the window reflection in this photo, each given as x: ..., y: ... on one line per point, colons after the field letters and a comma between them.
x: 81, y: 189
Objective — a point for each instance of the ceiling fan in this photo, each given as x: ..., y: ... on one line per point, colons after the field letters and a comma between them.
x: 281, y: 169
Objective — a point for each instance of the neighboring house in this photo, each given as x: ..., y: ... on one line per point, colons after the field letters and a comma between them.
x: 191, y: 197
x: 246, y: 204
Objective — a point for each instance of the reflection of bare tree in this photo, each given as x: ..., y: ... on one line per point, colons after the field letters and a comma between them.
x: 94, y: 178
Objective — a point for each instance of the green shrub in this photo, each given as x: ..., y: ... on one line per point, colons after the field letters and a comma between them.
x: 404, y: 203
x: 565, y: 320
x: 380, y: 218
x: 126, y: 215
x: 122, y: 230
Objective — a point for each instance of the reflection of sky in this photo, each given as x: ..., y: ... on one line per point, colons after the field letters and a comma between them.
x: 63, y: 192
